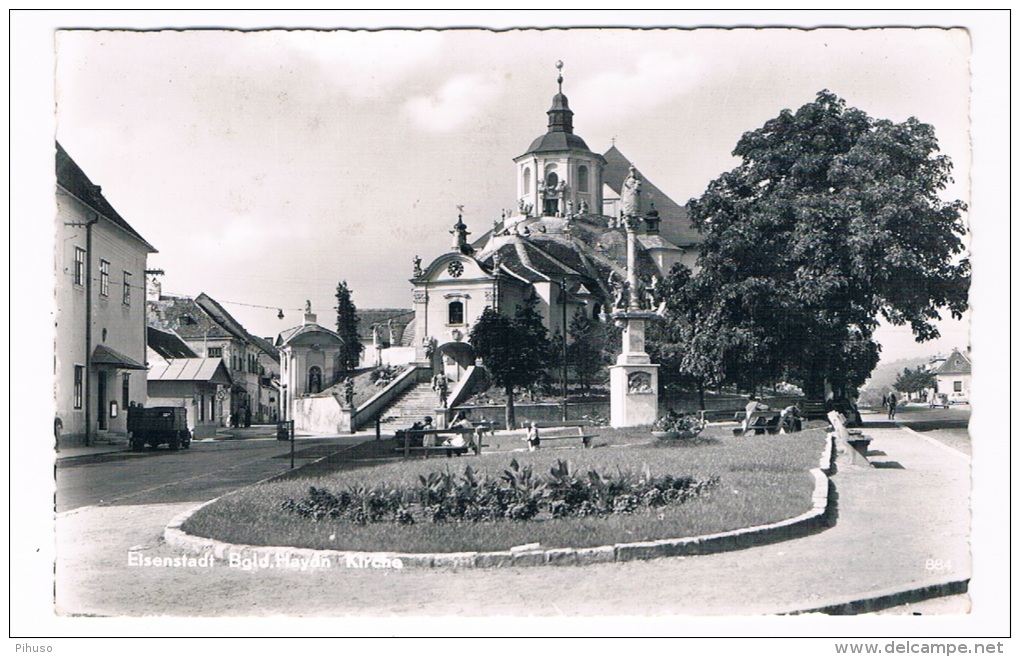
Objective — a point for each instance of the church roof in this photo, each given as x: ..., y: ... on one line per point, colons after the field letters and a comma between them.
x: 556, y: 141
x: 676, y: 226
x: 296, y: 331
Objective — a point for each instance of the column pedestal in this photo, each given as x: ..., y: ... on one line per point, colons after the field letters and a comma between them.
x: 634, y: 380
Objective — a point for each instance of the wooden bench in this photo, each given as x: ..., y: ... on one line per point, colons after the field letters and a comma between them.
x: 853, y: 437
x: 475, y: 445
x: 574, y: 430
x: 759, y: 422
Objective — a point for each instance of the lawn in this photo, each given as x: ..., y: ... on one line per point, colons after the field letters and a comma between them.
x: 762, y: 479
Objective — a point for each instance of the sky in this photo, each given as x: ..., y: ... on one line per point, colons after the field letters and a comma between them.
x: 267, y: 166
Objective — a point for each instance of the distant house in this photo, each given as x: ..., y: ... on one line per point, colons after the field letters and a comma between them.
x: 179, y: 377
x: 211, y: 332
x: 99, y: 347
x: 953, y: 377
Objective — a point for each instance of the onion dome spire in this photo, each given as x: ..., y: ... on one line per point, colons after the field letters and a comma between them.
x: 561, y: 118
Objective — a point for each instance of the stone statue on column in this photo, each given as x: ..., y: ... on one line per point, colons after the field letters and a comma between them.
x: 630, y: 197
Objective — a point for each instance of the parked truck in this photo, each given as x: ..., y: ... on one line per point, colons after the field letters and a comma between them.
x: 159, y: 425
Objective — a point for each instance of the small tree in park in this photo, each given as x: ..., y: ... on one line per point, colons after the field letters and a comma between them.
x: 516, y: 350
x: 347, y: 328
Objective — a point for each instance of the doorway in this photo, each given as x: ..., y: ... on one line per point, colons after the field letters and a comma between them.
x: 101, y: 400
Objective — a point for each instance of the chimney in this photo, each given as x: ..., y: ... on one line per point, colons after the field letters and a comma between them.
x: 154, y: 290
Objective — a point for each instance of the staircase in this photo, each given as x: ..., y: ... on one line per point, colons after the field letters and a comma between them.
x: 412, y: 406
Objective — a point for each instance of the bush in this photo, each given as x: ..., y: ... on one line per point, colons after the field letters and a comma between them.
x: 517, y: 495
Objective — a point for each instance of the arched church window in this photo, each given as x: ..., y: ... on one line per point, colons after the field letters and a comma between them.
x: 314, y: 379
x: 552, y: 180
x: 456, y: 312
x: 582, y: 179
x: 526, y: 180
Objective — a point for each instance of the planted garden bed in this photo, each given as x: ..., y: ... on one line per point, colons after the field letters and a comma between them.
x: 729, y: 483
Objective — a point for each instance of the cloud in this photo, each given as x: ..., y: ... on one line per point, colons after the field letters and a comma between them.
x: 618, y: 94
x: 458, y: 100
x: 364, y: 64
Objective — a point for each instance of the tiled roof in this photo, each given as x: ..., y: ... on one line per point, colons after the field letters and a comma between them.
x: 186, y: 318
x: 168, y: 344
x: 225, y: 319
x: 211, y: 370
x: 73, y: 179
x: 676, y: 226
x: 556, y: 141
x: 291, y: 333
x: 956, y: 363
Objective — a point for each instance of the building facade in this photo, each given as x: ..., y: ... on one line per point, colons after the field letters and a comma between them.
x: 211, y: 332
x: 563, y: 245
x: 952, y: 377
x: 100, y: 335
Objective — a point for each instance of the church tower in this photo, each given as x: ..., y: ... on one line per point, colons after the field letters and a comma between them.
x: 559, y: 175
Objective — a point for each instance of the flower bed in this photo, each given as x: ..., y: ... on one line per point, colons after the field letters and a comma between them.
x: 516, y: 495
x: 760, y: 480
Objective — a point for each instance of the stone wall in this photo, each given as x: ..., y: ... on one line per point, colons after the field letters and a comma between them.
x: 322, y: 415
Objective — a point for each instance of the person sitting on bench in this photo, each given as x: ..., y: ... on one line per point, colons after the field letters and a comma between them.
x: 428, y: 439
x: 753, y: 405
x: 458, y: 440
x: 532, y: 437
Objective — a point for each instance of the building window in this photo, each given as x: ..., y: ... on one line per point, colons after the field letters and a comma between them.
x: 526, y: 181
x: 455, y: 312
x: 201, y: 408
x: 104, y: 278
x: 127, y: 288
x: 582, y: 179
x: 79, y: 384
x: 125, y: 387
x: 79, y: 266
x: 552, y: 180
x: 214, y: 352
x: 957, y: 386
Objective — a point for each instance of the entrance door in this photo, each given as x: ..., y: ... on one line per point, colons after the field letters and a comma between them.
x: 101, y: 400
x: 552, y: 206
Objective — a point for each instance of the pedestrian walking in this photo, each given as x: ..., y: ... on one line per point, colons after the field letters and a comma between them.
x: 891, y: 401
x: 441, y: 388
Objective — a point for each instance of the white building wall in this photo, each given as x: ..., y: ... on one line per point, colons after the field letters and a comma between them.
x: 124, y: 323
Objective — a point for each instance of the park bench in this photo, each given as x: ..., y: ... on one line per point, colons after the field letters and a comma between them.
x: 473, y: 445
x: 760, y: 422
x: 853, y: 437
x: 565, y: 430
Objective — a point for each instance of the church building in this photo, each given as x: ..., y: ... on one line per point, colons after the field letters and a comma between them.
x: 564, y: 243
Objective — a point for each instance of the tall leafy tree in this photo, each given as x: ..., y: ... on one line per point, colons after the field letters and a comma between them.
x: 347, y: 328
x: 516, y: 350
x: 831, y: 221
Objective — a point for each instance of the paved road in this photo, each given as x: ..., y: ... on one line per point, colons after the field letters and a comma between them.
x: 157, y: 476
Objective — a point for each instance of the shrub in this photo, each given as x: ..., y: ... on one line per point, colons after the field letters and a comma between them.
x: 517, y: 495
